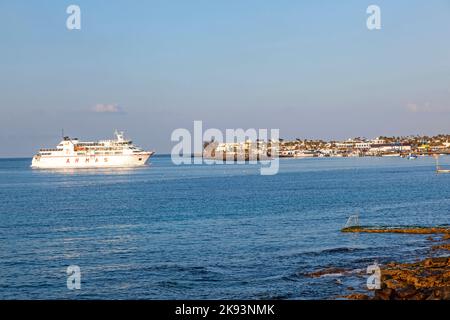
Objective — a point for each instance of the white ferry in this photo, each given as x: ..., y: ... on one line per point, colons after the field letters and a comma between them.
x: 72, y: 153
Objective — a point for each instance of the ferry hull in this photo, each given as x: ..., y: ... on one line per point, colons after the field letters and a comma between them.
x: 87, y: 162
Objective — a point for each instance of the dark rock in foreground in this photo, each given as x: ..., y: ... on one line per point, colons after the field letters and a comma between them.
x: 428, y: 279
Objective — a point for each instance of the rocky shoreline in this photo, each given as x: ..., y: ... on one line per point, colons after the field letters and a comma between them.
x: 427, y: 279
x: 409, y: 229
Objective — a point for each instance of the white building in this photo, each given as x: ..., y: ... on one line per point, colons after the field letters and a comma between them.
x: 378, y: 141
x: 362, y: 145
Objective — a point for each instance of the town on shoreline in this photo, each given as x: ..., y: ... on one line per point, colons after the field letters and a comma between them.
x: 407, y: 146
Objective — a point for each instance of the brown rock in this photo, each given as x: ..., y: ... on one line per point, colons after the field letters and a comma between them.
x: 420, y: 295
x: 436, y: 262
x: 357, y: 296
x: 405, y: 293
x: 384, y: 294
x: 410, y: 230
x: 446, y: 293
x: 432, y: 297
x: 392, y: 284
x: 445, y: 246
x: 442, y: 293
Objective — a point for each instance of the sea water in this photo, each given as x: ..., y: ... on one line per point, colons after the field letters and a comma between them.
x: 211, y: 231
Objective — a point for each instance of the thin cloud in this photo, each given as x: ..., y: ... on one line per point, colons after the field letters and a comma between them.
x: 426, y: 108
x: 107, y: 108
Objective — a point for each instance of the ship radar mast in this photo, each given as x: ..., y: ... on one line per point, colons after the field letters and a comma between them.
x: 119, y: 136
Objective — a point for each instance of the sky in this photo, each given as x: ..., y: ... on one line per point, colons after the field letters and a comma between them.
x: 309, y: 68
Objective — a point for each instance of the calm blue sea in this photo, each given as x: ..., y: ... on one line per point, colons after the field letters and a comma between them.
x: 210, y: 232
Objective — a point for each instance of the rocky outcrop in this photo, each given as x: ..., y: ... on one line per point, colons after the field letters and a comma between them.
x: 410, y: 230
x: 428, y: 279
x: 425, y: 280
x: 445, y: 246
x: 357, y: 296
x: 326, y: 272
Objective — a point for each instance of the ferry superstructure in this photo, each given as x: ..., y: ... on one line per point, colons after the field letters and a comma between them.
x: 73, y: 154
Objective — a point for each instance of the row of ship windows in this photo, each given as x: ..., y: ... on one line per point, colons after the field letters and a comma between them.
x: 100, y: 148
x: 100, y: 153
x: 83, y: 154
x: 104, y: 149
x: 101, y: 144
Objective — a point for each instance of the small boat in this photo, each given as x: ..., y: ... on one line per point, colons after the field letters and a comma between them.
x: 411, y: 157
x: 305, y: 154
